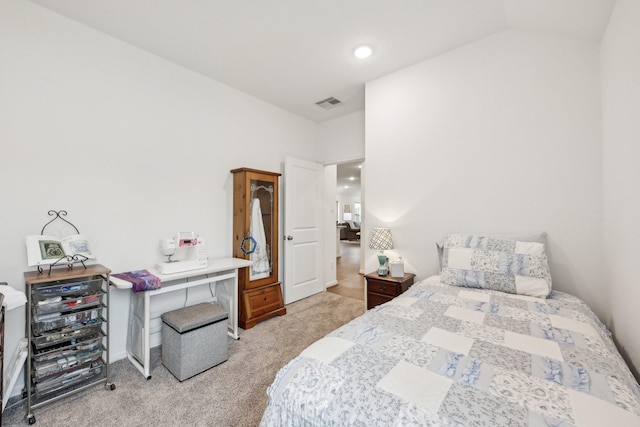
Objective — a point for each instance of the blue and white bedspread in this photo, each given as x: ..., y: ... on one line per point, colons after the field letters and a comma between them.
x: 440, y: 355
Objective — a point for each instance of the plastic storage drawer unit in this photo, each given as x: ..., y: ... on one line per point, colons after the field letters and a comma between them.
x: 194, y: 339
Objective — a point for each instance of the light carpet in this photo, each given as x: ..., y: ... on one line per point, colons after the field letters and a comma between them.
x: 230, y: 394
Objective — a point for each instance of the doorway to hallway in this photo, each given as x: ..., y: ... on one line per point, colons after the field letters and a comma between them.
x: 350, y: 281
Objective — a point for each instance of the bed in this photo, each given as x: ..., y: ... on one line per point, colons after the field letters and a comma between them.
x: 481, y: 344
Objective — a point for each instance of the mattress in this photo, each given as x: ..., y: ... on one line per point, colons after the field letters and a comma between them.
x: 442, y: 355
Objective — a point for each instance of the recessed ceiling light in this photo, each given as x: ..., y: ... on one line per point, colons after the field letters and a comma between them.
x: 363, y: 52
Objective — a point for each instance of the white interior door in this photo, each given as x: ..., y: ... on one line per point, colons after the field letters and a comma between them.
x: 302, y: 229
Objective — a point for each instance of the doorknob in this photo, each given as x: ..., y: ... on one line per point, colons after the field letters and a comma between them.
x: 289, y: 237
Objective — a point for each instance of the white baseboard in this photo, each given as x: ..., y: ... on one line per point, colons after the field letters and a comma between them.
x: 331, y: 283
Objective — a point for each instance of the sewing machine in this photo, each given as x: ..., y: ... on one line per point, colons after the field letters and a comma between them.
x: 184, y: 252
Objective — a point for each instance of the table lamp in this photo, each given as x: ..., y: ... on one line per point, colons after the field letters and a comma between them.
x: 381, y: 240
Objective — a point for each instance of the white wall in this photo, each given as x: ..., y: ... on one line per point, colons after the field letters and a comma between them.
x: 339, y: 140
x: 135, y: 148
x: 329, y: 224
x: 499, y: 136
x: 342, y: 139
x: 621, y: 175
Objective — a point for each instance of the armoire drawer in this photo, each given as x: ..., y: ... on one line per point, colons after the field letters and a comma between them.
x: 263, y: 300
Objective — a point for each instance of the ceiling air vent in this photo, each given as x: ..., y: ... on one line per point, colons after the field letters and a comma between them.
x: 329, y: 103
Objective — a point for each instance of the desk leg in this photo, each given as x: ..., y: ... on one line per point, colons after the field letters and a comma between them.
x: 147, y: 335
x: 227, y: 294
x: 234, y: 311
x: 132, y: 355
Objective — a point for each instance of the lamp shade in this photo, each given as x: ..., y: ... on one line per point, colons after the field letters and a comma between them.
x: 381, y: 239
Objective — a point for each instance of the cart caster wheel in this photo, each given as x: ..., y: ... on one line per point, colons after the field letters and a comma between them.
x: 24, y: 394
x: 111, y: 387
x: 149, y: 377
x: 32, y: 419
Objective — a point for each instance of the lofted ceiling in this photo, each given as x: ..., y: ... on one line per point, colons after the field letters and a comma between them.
x: 294, y: 53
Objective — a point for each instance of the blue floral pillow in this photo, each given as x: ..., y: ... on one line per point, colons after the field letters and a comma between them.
x: 510, y: 266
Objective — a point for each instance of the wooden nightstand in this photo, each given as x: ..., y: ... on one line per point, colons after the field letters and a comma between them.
x: 381, y: 289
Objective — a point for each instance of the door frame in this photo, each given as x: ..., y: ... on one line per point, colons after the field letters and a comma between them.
x: 331, y: 223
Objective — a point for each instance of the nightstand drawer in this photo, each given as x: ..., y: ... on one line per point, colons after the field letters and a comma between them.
x: 376, y: 299
x: 380, y: 287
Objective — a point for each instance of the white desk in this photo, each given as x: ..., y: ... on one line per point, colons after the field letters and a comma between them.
x: 216, y: 272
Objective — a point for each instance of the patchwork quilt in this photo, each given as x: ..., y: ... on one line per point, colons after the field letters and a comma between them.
x: 441, y: 355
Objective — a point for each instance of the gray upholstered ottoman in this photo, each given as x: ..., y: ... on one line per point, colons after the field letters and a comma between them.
x: 194, y: 339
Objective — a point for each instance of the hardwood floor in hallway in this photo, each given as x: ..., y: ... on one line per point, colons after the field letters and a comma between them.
x: 350, y: 281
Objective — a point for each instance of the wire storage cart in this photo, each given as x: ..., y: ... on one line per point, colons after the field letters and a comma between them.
x: 68, y: 333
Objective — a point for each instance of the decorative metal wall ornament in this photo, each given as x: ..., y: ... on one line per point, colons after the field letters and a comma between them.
x: 69, y: 260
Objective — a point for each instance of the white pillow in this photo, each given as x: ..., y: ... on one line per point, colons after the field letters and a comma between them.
x: 540, y: 237
x: 512, y: 266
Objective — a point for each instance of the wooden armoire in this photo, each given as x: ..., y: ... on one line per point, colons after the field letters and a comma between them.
x: 255, y: 237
